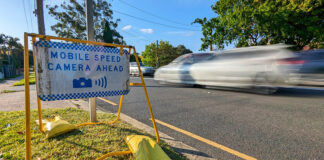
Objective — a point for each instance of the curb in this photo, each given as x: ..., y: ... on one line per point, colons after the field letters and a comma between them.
x: 178, y: 146
x: 186, y: 150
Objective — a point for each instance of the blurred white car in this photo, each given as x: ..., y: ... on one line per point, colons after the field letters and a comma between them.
x: 146, y: 70
x: 311, y: 71
x: 256, y: 68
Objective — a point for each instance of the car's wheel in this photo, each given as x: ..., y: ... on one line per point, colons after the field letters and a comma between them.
x: 262, y: 84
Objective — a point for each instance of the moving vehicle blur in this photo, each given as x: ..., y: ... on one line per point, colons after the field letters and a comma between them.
x: 311, y: 71
x: 146, y: 70
x: 257, y: 68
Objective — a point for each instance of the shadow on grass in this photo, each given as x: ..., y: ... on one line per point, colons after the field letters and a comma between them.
x: 172, y: 154
x: 131, y: 131
x: 84, y: 146
x: 65, y: 135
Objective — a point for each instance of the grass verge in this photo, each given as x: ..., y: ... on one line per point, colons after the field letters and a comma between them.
x: 8, y: 91
x: 89, y: 142
x: 22, y: 81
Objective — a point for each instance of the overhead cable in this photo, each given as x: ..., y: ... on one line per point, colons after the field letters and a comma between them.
x: 149, y: 21
x: 154, y: 15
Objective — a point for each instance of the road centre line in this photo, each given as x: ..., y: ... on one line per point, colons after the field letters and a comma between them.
x: 106, y: 100
x: 214, y: 144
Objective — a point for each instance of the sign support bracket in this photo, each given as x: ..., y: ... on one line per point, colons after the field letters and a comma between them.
x: 27, y: 89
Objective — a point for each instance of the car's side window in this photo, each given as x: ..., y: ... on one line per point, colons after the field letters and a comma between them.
x: 202, y: 57
x: 188, y: 60
x: 321, y: 56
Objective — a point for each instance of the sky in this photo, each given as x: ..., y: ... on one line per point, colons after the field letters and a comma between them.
x: 142, y: 21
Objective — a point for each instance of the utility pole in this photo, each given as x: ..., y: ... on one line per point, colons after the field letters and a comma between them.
x: 40, y: 17
x: 90, y: 37
x: 156, y: 54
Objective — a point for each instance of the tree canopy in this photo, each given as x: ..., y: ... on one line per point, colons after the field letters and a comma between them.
x: 159, y: 55
x: 11, y: 51
x: 71, y: 20
x: 258, y: 22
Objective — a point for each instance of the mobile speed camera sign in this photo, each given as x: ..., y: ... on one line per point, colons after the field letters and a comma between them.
x: 74, y: 71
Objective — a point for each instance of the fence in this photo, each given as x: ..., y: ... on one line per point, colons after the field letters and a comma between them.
x: 9, y: 71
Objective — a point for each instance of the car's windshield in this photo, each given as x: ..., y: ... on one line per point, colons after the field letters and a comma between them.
x: 192, y: 57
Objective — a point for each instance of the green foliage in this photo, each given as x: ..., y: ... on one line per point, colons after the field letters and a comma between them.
x: 133, y: 59
x: 258, y: 22
x: 107, y: 34
x: 164, y: 53
x: 8, y: 91
x: 181, y: 49
x: 89, y: 142
x: 11, y: 51
x: 71, y: 19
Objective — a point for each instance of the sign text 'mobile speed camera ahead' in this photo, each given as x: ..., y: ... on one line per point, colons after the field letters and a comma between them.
x: 73, y: 71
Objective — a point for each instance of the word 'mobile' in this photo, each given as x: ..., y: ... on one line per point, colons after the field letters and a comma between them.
x: 73, y: 71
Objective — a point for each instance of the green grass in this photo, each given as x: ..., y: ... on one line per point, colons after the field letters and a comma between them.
x: 8, y: 91
x: 89, y: 142
x: 22, y: 81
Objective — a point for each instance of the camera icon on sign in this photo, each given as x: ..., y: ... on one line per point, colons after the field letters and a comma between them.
x: 82, y: 83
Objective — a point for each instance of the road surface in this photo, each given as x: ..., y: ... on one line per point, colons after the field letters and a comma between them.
x: 286, y: 125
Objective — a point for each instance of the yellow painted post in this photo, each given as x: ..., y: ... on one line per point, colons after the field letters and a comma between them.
x: 39, y: 104
x: 121, y: 51
x: 147, y: 98
x: 27, y: 99
x: 79, y: 41
x: 119, y: 109
x: 27, y: 89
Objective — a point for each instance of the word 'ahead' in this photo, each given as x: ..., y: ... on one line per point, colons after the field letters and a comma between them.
x: 73, y: 71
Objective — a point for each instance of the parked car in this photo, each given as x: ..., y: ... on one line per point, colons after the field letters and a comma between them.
x: 146, y: 70
x: 311, y: 71
x: 256, y: 68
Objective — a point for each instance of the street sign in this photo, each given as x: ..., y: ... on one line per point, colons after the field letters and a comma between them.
x: 74, y: 71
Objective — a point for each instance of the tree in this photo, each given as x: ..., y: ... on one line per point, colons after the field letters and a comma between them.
x: 107, y: 34
x: 12, y: 42
x: 181, y: 49
x: 11, y: 50
x: 133, y: 59
x: 71, y: 19
x: 164, y: 53
x: 257, y: 22
x: 112, y: 36
x: 2, y: 39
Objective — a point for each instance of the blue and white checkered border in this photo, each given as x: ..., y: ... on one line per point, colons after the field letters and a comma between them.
x: 55, y: 97
x: 78, y: 46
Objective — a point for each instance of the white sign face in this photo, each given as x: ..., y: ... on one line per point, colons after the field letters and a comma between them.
x: 74, y: 71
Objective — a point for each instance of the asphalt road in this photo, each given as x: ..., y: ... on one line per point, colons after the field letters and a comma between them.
x: 286, y: 125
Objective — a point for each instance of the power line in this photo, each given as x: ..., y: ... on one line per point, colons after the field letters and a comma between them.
x: 30, y: 15
x: 25, y: 15
x: 149, y: 21
x: 154, y: 15
x: 126, y: 31
x: 135, y: 36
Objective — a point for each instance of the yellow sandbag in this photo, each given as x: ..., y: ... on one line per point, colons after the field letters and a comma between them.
x: 144, y: 148
x: 56, y: 126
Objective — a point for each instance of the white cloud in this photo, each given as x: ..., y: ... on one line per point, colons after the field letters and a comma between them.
x: 128, y: 27
x: 147, y: 31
